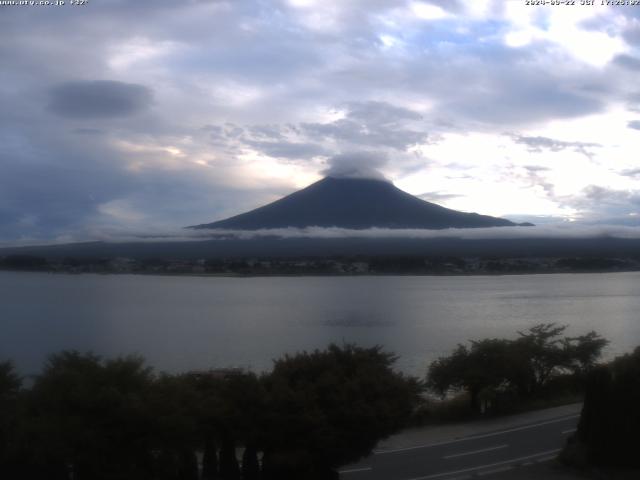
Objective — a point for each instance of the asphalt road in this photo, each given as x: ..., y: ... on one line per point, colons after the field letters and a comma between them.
x: 476, y: 455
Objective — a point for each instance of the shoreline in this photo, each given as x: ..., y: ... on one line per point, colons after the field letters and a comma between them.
x: 318, y: 275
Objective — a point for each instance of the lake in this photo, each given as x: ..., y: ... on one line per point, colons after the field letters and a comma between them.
x: 180, y: 323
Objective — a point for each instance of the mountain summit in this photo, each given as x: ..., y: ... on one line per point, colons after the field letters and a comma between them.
x: 354, y: 203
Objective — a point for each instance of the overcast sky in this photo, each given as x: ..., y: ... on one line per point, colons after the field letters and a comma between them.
x: 154, y: 114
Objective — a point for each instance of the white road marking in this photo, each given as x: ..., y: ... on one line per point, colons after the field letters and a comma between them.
x: 475, y: 437
x: 488, y: 449
x: 490, y: 465
x: 356, y: 470
x: 545, y: 459
x: 495, y: 470
x: 571, y: 430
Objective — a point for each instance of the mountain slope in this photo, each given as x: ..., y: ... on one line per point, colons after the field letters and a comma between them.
x: 354, y: 204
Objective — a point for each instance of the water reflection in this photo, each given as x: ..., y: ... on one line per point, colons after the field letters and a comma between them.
x: 181, y: 323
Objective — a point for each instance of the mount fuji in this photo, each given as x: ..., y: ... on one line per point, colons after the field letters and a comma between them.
x: 355, y: 203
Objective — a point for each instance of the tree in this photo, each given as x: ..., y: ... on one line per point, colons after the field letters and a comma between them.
x: 328, y: 408
x: 24, y: 262
x: 524, y: 365
x: 113, y: 419
x: 607, y: 433
x: 10, y: 384
x: 90, y: 416
x: 544, y: 354
x: 541, y: 349
x: 486, y: 365
x: 583, y: 351
x: 229, y: 411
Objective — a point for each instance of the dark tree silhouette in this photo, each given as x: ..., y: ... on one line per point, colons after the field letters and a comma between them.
x: 524, y: 365
x: 582, y: 352
x: 541, y: 349
x: 10, y: 384
x: 94, y: 419
x: 328, y: 408
x: 610, y: 421
x: 89, y: 417
x: 24, y: 262
x: 485, y: 365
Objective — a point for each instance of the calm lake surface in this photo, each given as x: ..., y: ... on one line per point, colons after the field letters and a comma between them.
x: 183, y: 323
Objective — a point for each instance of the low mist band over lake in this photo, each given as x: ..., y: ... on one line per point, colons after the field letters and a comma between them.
x: 183, y: 323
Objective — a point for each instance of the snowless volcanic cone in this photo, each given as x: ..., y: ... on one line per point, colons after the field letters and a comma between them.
x: 354, y: 203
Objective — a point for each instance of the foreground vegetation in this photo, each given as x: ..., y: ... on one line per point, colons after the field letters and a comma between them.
x: 85, y: 417
x: 88, y: 418
x: 541, y: 367
x: 607, y: 434
x: 502, y: 374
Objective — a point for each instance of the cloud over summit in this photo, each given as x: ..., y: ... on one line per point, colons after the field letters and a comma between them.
x: 357, y: 165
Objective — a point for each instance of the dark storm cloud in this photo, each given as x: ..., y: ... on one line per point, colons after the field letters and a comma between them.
x: 98, y: 99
